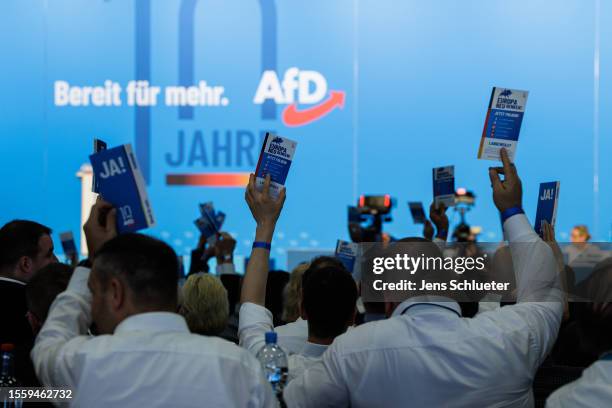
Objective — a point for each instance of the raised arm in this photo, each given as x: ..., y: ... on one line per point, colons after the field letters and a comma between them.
x: 538, y: 292
x: 265, y: 211
x: 63, y: 333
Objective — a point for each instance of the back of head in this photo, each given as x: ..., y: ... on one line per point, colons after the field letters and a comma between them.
x: 20, y: 238
x: 44, y: 287
x: 291, y: 295
x: 329, y: 295
x: 146, y: 265
x: 205, y: 305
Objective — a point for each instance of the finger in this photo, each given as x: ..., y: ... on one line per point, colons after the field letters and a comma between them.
x: 442, y: 208
x: 111, y: 221
x: 495, y: 180
x: 266, y: 186
x: 508, y: 167
x: 282, y: 195
x: 251, y: 185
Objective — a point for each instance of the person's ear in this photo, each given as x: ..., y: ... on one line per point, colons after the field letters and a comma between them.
x: 117, y: 293
x: 25, y: 265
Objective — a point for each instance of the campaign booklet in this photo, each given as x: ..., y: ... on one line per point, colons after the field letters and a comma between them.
x: 210, y: 222
x: 121, y: 184
x: 444, y: 185
x: 503, y: 123
x: 346, y: 252
x: 275, y: 159
x: 68, y: 245
x: 548, y: 197
x: 418, y: 212
x: 98, y: 146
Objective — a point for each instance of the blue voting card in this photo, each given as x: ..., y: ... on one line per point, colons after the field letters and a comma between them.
x: 444, y: 185
x: 548, y: 196
x: 418, y: 212
x: 98, y: 146
x: 68, y: 245
x: 275, y: 159
x: 121, y: 184
x: 502, y: 123
x: 346, y: 252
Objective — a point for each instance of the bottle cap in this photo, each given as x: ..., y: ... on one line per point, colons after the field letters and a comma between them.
x: 271, y: 337
x: 10, y: 347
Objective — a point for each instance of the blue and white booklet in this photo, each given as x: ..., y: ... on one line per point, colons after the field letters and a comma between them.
x: 418, y: 212
x: 210, y: 222
x: 68, y: 245
x: 346, y: 252
x: 444, y: 185
x: 99, y: 145
x: 548, y: 197
x: 121, y: 184
x: 503, y: 123
x: 275, y: 159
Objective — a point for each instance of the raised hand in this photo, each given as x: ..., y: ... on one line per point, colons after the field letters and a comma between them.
x: 265, y: 209
x: 100, y: 226
x: 509, y: 192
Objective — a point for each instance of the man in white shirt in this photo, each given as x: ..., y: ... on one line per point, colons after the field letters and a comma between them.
x: 329, y: 292
x: 427, y: 355
x: 145, y: 355
x: 592, y: 389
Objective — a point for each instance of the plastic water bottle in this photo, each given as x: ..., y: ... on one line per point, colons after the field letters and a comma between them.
x: 274, y: 362
x: 7, y: 376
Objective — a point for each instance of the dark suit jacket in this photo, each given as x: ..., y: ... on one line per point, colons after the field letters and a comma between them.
x: 15, y: 329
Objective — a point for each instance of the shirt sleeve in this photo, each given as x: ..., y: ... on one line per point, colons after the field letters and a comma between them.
x: 254, y: 321
x: 56, y: 348
x: 592, y: 389
x: 321, y: 385
x: 539, y: 296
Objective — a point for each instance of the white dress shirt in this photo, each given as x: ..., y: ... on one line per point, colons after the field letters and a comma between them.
x: 293, y: 336
x: 427, y: 355
x: 255, y: 321
x: 592, y: 389
x: 151, y: 360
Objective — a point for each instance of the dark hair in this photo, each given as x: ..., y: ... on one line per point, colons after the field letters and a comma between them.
x: 45, y: 285
x: 20, y: 238
x: 329, y: 294
x: 147, y: 265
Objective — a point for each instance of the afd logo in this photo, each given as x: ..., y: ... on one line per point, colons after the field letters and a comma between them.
x: 277, y: 140
x: 506, y: 92
x: 298, y: 86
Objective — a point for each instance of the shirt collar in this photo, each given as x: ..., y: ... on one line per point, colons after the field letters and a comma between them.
x: 153, y: 322
x: 4, y: 278
x: 429, y: 303
x: 313, y: 349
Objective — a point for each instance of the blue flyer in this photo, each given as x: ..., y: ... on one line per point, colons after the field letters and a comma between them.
x: 121, y: 184
x: 275, y: 159
x: 444, y: 185
x: 548, y: 197
x: 68, y: 245
x: 99, y: 145
x: 503, y: 123
x: 346, y: 252
x: 210, y: 222
x: 418, y: 212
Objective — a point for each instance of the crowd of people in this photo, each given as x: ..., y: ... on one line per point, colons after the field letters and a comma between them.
x: 123, y: 328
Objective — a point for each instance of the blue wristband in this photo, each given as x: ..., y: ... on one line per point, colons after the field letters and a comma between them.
x: 509, y: 212
x: 442, y: 234
x: 264, y: 245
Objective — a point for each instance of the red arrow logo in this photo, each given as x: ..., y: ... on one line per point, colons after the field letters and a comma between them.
x: 293, y: 117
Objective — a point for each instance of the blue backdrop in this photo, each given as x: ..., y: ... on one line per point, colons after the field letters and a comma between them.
x: 411, y: 82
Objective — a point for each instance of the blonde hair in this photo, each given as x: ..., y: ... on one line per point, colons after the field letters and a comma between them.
x: 291, y: 307
x: 205, y: 305
x: 583, y: 230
